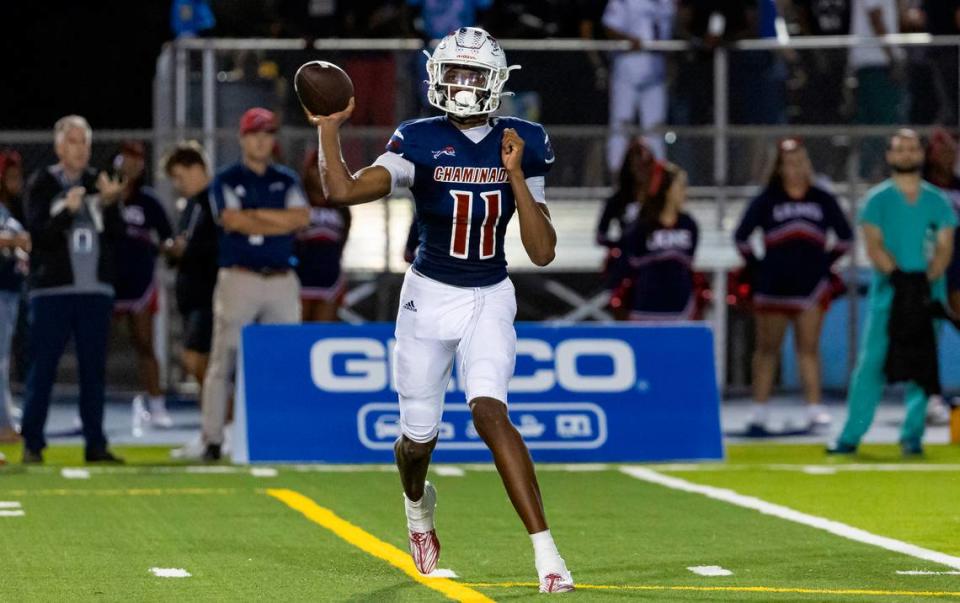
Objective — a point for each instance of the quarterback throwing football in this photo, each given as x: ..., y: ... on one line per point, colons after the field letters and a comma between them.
x: 468, y: 172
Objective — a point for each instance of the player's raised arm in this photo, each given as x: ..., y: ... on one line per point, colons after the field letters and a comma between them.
x: 536, y: 230
x: 339, y: 185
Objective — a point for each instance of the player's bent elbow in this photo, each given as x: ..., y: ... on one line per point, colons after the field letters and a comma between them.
x: 543, y: 259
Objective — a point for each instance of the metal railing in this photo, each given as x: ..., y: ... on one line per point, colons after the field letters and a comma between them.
x: 177, y: 62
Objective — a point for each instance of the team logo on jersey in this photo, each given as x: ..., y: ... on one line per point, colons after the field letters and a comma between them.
x: 447, y: 150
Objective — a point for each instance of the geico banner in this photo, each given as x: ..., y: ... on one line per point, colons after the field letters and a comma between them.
x: 325, y: 393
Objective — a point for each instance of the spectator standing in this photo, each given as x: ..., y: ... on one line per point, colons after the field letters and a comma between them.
x: 147, y: 230
x: 880, y: 73
x: 74, y: 222
x: 908, y: 228
x: 14, y: 247
x: 938, y: 170
x: 259, y: 206
x: 638, y: 79
x: 11, y: 183
x: 189, y: 18
x: 195, y: 253
x: 826, y: 87
x: 320, y: 250
x: 942, y: 18
x: 792, y: 281
x: 659, y: 250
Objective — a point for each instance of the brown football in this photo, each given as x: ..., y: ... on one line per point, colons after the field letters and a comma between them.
x: 323, y: 88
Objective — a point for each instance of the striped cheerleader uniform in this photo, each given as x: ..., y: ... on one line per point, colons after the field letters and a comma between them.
x: 659, y: 261
x: 319, y: 249
x: 794, y: 274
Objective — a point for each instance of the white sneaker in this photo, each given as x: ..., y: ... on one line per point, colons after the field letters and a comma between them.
x: 558, y: 581
x: 938, y: 412
x: 159, y: 417
x: 818, y: 416
x: 138, y: 417
x: 423, y: 541
x: 193, y: 451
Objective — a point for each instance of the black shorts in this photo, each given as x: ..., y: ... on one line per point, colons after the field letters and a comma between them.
x: 198, y: 330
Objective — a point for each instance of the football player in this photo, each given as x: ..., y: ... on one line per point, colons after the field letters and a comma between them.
x: 469, y: 172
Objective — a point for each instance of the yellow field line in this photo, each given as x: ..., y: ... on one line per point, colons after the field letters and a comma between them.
x: 733, y: 589
x: 372, y: 545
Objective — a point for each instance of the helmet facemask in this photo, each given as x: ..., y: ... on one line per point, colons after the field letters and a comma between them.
x: 466, y: 74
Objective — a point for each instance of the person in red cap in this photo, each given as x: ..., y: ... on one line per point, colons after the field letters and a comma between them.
x: 11, y: 183
x: 259, y: 206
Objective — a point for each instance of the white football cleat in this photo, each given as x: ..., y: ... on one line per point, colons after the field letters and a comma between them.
x: 424, y: 544
x: 556, y: 582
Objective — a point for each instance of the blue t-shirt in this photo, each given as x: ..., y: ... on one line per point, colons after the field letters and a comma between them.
x: 463, y: 198
x: 440, y: 17
x: 238, y: 187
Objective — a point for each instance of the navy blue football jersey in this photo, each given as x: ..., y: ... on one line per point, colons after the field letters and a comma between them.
x: 463, y: 198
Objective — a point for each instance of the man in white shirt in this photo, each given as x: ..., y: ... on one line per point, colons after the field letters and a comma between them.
x: 638, y: 82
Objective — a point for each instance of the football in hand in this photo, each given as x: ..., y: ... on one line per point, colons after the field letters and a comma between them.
x: 322, y: 87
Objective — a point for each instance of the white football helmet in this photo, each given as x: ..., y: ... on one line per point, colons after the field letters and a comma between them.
x: 467, y: 72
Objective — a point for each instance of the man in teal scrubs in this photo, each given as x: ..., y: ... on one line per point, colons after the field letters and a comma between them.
x: 907, y: 225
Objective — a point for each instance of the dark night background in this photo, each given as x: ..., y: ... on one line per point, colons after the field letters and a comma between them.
x: 92, y: 57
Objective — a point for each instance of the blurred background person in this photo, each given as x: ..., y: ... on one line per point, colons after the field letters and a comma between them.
x: 908, y: 228
x: 14, y: 247
x: 791, y: 283
x: 658, y: 250
x: 74, y: 221
x: 880, y: 74
x: 259, y: 206
x: 638, y: 80
x: 11, y: 183
x: 147, y: 230
x: 319, y: 250
x: 194, y: 252
x: 938, y: 169
x: 640, y: 176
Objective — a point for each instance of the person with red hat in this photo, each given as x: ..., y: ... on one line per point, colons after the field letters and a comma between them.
x: 259, y: 206
x: 147, y: 231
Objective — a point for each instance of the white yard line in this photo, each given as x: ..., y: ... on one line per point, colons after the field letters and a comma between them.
x: 264, y: 472
x: 710, y: 570
x: 18, y: 513
x: 834, y: 527
x: 170, y: 572
x: 9, y: 504
x: 925, y: 573
x: 448, y: 471
x: 75, y: 473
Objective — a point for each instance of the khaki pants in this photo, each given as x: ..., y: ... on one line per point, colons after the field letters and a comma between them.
x: 241, y: 298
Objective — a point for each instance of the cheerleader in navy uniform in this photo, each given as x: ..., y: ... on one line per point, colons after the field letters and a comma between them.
x: 319, y: 250
x: 659, y: 249
x: 147, y: 230
x: 791, y: 283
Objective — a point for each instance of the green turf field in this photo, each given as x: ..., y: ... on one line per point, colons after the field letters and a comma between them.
x: 331, y: 534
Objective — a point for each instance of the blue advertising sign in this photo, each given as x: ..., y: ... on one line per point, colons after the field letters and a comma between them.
x: 611, y: 393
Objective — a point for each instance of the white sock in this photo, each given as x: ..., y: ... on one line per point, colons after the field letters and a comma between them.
x: 815, y: 409
x: 419, y: 518
x: 546, y: 555
x: 759, y: 413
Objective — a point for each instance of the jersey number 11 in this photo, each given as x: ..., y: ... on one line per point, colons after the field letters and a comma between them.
x: 463, y: 222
